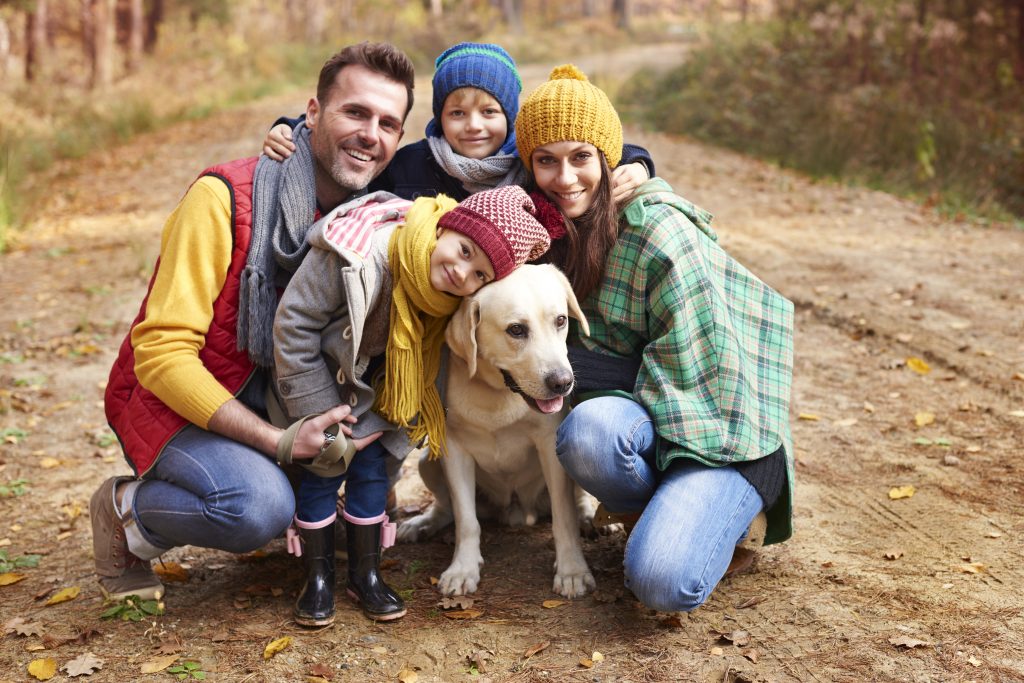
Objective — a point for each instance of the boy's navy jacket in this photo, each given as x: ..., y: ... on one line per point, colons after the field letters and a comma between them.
x: 415, y: 173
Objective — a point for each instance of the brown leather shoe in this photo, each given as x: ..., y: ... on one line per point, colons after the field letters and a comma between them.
x: 121, y: 573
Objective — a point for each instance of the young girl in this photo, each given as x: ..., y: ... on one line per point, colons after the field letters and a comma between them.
x: 382, y: 273
x: 471, y: 143
x: 695, y: 443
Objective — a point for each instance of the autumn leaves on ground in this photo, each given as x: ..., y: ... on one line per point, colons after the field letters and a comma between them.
x: 908, y: 423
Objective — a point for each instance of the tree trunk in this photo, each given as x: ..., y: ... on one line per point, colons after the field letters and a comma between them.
x: 102, y: 12
x: 1020, y: 41
x: 316, y: 18
x: 621, y: 12
x: 513, y: 13
x: 436, y: 9
x: 35, y: 40
x: 744, y: 10
x: 136, y: 26
x: 5, y: 48
x: 588, y: 9
x: 154, y: 16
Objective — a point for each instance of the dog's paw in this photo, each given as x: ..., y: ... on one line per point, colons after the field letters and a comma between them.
x: 574, y: 585
x: 418, y: 528
x: 460, y: 579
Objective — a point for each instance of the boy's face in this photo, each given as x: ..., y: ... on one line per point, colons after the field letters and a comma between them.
x: 473, y: 123
x: 458, y: 266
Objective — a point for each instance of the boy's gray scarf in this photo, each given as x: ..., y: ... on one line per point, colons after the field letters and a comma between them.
x: 283, y: 209
x: 477, y: 174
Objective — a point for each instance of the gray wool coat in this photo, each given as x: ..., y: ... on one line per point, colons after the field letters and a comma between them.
x: 332, y: 320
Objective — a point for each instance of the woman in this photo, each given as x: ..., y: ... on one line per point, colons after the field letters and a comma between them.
x: 687, y: 369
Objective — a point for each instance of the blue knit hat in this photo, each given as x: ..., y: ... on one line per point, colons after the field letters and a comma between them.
x: 477, y: 65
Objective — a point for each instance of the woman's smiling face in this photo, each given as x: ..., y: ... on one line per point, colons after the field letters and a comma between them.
x: 569, y: 173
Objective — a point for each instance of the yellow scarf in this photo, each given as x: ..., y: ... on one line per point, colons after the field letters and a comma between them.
x: 419, y: 314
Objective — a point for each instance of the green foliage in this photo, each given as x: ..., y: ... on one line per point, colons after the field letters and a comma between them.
x: 8, y: 564
x: 844, y: 93
x: 187, y: 670
x: 133, y: 608
x: 14, y: 487
x: 12, y: 435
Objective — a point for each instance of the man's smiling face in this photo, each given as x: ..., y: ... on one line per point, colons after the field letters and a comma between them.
x: 355, y: 133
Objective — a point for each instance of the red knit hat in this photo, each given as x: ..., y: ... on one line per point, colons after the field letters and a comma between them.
x: 504, y: 224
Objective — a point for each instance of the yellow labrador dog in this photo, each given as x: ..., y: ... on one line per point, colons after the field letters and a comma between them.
x: 508, y: 377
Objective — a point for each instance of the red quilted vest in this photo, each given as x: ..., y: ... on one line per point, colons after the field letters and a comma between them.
x: 141, y: 421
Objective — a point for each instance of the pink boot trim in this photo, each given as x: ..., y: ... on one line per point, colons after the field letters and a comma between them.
x: 388, y: 530
x: 291, y: 534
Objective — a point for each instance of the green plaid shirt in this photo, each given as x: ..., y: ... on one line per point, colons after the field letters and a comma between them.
x: 716, y: 343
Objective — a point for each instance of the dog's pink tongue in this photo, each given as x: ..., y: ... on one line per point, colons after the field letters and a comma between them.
x: 550, y: 405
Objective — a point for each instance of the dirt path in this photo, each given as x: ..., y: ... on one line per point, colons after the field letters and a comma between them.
x: 876, y: 281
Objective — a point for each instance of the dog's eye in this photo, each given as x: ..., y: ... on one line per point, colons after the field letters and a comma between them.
x: 516, y: 330
x: 561, y: 321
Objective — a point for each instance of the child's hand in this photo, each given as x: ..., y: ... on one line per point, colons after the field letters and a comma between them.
x: 627, y: 178
x: 278, y: 144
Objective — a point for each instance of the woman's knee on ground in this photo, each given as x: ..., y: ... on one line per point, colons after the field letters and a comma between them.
x: 584, y: 427
x: 668, y: 586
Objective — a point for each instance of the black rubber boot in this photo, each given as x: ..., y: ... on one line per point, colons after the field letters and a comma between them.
x: 315, y: 606
x: 365, y: 584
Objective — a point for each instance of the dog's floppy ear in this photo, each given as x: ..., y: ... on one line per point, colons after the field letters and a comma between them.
x: 574, y: 306
x: 461, y: 332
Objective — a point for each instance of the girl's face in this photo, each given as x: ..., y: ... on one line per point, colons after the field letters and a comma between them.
x: 473, y: 123
x: 457, y: 265
x: 569, y: 173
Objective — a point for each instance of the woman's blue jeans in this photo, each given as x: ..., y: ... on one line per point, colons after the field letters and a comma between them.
x: 207, y: 490
x: 693, y: 514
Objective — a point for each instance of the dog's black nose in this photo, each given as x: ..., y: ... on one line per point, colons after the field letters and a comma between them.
x: 559, y: 382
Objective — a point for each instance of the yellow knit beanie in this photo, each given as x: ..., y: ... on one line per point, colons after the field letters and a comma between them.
x: 568, y: 107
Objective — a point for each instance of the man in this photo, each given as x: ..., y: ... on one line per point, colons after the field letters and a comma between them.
x: 186, y: 394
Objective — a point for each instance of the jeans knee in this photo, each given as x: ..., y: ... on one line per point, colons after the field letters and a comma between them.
x: 253, y: 519
x: 575, y: 434
x: 668, y: 588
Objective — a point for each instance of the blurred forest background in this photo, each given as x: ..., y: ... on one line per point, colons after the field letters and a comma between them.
x: 918, y: 97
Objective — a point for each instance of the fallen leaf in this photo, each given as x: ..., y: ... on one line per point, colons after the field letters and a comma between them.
x: 463, y: 614
x: 868, y: 407
x: 907, y: 642
x: 973, y: 568
x: 7, y: 578
x: 479, y: 659
x: 63, y: 595
x: 737, y: 638
x: 974, y: 661
x: 151, y: 666
x: 30, y: 628
x: 808, y: 416
x: 42, y: 669
x: 918, y: 366
x: 893, y: 555
x: 551, y: 604
x: 49, y: 463
x: 171, y: 572
x: 901, y: 492
x: 1016, y: 413
x: 846, y: 422
x: 408, y: 676
x: 1018, y: 376
x: 672, y: 621
x: 597, y: 656
x: 86, y: 664
x: 750, y: 602
x: 539, y: 647
x: 276, y: 646
x: 717, y: 652
x: 752, y: 654
x: 924, y: 419
x: 586, y: 663
x: 321, y: 670
x: 459, y: 602
x: 993, y: 534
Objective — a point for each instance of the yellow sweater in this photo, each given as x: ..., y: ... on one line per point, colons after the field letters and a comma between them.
x: 195, y: 253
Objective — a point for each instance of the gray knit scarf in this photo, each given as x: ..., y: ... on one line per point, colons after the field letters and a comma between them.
x: 477, y: 174
x: 283, y: 209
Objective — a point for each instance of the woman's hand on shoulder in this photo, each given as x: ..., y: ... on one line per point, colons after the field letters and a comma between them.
x: 626, y: 178
x: 278, y: 144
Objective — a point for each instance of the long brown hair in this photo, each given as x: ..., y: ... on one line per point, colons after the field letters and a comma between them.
x: 582, y: 253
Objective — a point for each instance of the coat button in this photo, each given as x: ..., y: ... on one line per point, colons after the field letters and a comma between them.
x: 340, y: 377
x: 346, y: 334
x: 285, y: 387
x: 353, y: 399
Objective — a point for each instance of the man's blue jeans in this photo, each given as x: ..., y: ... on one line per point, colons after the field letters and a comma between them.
x: 693, y: 515
x: 207, y: 490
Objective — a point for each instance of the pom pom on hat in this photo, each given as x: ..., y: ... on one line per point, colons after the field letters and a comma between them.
x: 568, y: 107
x: 503, y: 222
